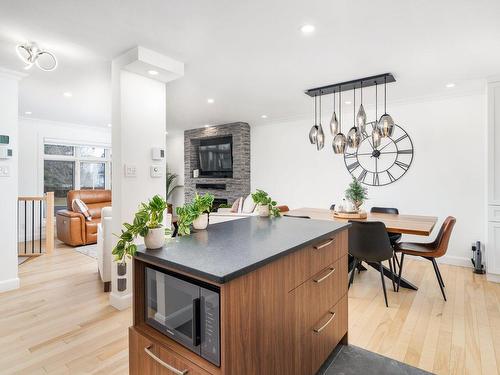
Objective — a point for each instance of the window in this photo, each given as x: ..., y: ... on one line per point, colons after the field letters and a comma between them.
x: 68, y: 167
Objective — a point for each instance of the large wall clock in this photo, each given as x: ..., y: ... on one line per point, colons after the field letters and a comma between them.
x: 382, y: 165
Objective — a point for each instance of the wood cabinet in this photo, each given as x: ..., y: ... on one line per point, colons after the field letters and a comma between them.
x: 284, y: 318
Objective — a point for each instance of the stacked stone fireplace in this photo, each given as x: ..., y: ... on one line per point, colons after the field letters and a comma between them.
x: 225, y: 190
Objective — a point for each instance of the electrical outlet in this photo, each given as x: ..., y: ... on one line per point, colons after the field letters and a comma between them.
x: 4, y: 171
x: 130, y: 170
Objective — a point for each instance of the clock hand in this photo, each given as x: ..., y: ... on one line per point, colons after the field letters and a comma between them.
x: 388, y: 143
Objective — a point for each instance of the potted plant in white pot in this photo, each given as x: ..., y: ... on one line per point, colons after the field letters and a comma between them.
x: 194, y: 213
x: 265, y: 205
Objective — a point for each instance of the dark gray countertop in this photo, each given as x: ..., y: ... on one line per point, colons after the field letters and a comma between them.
x: 227, y: 250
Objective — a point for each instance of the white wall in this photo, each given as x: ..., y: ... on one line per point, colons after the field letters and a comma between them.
x: 447, y: 177
x: 174, y: 156
x: 33, y: 132
x: 9, y: 185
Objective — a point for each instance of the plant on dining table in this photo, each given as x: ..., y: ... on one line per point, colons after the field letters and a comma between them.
x: 148, y: 217
x: 188, y: 213
x: 356, y: 193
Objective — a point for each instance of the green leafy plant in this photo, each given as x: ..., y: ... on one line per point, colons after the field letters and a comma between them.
x: 356, y: 193
x: 191, y: 211
x: 224, y: 205
x: 170, y: 185
x: 149, y: 216
x: 262, y: 198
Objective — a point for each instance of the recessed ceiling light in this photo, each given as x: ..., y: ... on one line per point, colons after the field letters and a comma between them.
x: 109, y: 125
x: 210, y: 101
x: 153, y: 72
x: 347, y: 102
x: 206, y: 125
x: 307, y: 29
x: 264, y: 116
x: 67, y: 94
x: 28, y: 113
x: 450, y: 85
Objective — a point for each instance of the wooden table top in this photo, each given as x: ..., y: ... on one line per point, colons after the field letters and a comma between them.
x: 405, y: 224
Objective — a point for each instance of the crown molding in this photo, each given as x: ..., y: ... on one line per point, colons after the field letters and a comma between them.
x: 8, y: 73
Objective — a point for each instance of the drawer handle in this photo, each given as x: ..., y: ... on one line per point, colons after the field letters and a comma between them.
x: 164, y: 364
x: 318, y: 330
x: 332, y: 270
x: 324, y: 244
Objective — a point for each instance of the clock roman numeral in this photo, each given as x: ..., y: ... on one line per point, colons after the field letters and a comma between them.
x: 391, y: 177
x: 405, y: 151
x: 402, y: 165
x: 401, y: 138
x: 353, y: 166
x: 376, y: 181
x: 362, y: 176
x: 350, y: 155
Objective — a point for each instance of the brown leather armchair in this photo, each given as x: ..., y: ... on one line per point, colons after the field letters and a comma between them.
x: 72, y: 228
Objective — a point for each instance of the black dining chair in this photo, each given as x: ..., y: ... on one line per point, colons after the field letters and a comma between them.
x: 369, y: 242
x: 393, y: 237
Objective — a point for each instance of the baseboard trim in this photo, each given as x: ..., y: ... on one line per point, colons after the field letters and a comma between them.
x: 120, y: 302
x: 493, y: 277
x: 9, y: 284
x: 455, y: 261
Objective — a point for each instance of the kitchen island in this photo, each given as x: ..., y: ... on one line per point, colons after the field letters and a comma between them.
x: 249, y: 296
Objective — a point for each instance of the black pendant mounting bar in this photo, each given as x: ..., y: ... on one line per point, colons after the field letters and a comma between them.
x: 350, y: 85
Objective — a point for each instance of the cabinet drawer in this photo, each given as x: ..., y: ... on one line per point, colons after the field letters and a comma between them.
x: 313, y: 259
x: 324, y: 289
x: 148, y: 358
x: 315, y: 341
x: 493, y: 213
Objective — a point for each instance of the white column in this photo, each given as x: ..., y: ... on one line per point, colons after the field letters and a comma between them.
x: 9, y: 84
x: 138, y: 118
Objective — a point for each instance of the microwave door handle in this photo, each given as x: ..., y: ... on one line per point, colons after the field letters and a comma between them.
x: 196, y: 322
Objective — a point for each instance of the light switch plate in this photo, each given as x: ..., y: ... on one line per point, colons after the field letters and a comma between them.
x: 4, y: 171
x: 156, y: 171
x: 130, y: 170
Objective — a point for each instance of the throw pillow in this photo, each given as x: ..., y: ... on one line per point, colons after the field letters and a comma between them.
x: 236, y: 205
x: 79, y: 206
x: 248, y: 205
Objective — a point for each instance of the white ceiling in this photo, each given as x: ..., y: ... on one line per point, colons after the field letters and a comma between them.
x: 250, y: 56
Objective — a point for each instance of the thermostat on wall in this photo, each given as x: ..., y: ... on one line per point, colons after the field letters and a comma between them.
x: 4, y: 139
x: 157, y: 153
x: 156, y: 171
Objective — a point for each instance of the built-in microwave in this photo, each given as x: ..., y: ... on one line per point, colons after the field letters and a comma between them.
x: 186, y: 310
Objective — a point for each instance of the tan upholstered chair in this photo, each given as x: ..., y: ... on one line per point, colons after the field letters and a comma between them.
x: 429, y: 251
x: 72, y: 228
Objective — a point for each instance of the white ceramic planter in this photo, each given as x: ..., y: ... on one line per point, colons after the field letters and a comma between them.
x: 155, y: 238
x: 201, y: 222
x: 263, y: 210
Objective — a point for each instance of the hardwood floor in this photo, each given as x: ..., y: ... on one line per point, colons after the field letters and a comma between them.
x: 60, y: 322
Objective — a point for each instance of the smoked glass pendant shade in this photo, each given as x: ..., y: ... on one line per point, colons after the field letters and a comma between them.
x: 361, y: 119
x: 386, y: 125
x: 320, y: 138
x: 339, y: 143
x: 313, y: 133
x: 334, y: 124
x: 353, y: 137
x: 376, y: 137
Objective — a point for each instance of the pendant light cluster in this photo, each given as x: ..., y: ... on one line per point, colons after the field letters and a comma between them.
x: 384, y: 126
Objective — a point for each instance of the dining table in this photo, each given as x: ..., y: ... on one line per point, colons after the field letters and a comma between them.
x: 418, y: 225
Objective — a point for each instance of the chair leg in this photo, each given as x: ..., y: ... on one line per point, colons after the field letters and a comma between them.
x: 400, y: 270
x: 439, y: 273
x: 438, y: 276
x: 351, y: 279
x: 383, y: 283
x: 392, y: 274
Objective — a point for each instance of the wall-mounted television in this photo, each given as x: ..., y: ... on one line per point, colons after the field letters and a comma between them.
x: 216, y: 157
